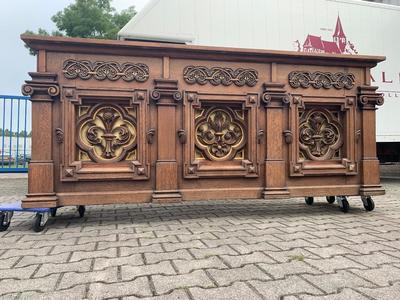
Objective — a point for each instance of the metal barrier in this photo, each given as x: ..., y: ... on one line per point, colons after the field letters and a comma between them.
x: 15, y: 133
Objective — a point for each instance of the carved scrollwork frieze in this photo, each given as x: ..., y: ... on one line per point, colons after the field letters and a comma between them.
x: 102, y: 70
x: 326, y: 80
x: 220, y: 76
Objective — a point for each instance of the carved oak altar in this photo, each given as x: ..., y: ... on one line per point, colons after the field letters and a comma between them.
x: 129, y: 122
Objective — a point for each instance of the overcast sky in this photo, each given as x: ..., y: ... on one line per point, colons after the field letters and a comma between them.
x: 16, y: 16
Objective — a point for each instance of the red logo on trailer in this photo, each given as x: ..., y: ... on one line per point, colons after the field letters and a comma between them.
x: 338, y: 45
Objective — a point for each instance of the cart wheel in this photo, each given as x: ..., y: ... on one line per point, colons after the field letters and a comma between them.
x: 5, y: 220
x: 40, y: 222
x: 369, y: 204
x: 343, y: 203
x: 309, y: 200
x: 53, y: 211
x: 81, y: 211
x: 330, y: 199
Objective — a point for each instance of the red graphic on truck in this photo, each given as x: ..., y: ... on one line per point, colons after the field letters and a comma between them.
x: 338, y: 45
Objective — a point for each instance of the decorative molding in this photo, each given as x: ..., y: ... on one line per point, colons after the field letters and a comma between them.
x: 182, y: 136
x: 288, y: 136
x: 220, y: 134
x: 220, y: 76
x: 42, y: 87
x: 166, y: 88
x: 368, y: 98
x: 102, y: 70
x: 320, y: 134
x: 150, y: 135
x: 319, y: 80
x: 106, y: 133
x: 275, y: 94
x: 59, y: 135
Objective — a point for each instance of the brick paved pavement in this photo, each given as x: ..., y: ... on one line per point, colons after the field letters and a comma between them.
x: 206, y: 250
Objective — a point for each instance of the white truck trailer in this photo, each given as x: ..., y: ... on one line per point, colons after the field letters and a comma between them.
x: 332, y: 26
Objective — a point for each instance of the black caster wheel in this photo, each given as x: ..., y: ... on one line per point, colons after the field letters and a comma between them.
x: 309, y: 200
x: 53, y: 211
x: 5, y: 220
x: 343, y: 203
x: 369, y: 204
x: 40, y: 222
x: 330, y: 199
x: 81, y: 211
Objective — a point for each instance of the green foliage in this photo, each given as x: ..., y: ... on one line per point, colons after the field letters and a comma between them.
x: 88, y: 19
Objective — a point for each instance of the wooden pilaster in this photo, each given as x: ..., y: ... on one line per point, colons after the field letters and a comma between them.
x: 275, y: 98
x: 43, y: 89
x: 368, y: 99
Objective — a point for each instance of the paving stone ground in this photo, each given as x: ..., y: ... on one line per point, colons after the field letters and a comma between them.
x: 248, y: 249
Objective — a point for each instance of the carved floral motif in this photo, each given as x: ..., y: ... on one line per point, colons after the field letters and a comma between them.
x: 107, y: 133
x: 319, y: 80
x: 320, y: 134
x: 101, y: 70
x: 219, y: 133
x: 218, y: 75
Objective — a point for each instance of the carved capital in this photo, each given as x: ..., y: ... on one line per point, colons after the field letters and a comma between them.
x: 42, y: 87
x: 368, y: 98
x: 275, y: 94
x: 166, y: 88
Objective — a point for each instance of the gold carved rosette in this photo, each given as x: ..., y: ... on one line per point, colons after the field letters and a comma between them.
x: 220, y: 134
x: 106, y: 133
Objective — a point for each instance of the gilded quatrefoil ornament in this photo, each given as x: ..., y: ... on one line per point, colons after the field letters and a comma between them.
x: 107, y: 133
x: 320, y: 134
x: 219, y: 134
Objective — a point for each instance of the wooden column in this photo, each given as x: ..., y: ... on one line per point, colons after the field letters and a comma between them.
x: 166, y: 96
x: 275, y: 99
x: 370, y: 177
x: 43, y: 89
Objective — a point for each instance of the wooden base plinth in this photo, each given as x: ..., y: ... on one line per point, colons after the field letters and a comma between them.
x: 166, y: 197
x: 40, y: 201
x: 275, y: 193
x: 371, y: 190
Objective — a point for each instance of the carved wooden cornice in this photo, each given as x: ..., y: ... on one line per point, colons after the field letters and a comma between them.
x: 319, y: 80
x: 219, y: 75
x: 166, y: 88
x: 42, y: 87
x: 101, y: 70
x: 368, y: 98
x: 274, y: 94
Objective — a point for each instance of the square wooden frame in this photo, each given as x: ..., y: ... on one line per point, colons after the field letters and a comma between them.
x: 72, y: 169
x: 347, y: 165
x: 247, y: 167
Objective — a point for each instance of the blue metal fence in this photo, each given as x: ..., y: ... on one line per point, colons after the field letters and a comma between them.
x: 15, y: 133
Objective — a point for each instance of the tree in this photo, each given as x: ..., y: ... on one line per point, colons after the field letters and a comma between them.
x: 88, y: 19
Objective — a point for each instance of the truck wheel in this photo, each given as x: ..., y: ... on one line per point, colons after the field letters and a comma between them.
x: 309, y: 200
x: 369, y: 204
